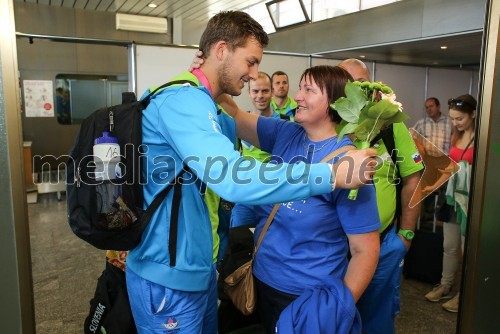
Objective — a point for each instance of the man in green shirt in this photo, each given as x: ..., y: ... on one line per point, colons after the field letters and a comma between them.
x: 260, y: 92
x: 380, y: 302
x: 281, y: 102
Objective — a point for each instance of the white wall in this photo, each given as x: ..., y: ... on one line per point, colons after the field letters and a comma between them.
x: 445, y: 84
x: 293, y: 66
x: 408, y: 82
x: 156, y: 65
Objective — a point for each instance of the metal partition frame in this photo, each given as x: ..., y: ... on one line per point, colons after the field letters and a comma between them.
x: 479, y: 303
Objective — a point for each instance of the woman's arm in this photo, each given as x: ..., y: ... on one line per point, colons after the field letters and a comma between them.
x: 365, y: 250
x: 246, y: 123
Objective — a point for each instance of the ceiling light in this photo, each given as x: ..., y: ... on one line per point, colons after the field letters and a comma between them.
x: 444, y: 47
x: 362, y: 56
x: 152, y: 5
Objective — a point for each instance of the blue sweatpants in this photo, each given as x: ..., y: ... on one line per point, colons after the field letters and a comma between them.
x: 157, y: 309
x: 379, y: 304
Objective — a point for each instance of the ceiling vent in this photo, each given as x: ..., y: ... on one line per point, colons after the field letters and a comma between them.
x: 141, y: 23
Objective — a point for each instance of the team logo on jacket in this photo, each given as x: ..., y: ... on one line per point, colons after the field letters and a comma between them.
x: 171, y: 323
x: 214, y: 122
x: 416, y: 158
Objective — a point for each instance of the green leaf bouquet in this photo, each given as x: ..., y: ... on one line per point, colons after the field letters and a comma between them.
x: 367, y: 108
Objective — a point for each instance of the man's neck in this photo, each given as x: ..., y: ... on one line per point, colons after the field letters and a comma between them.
x: 436, y: 117
x: 280, y: 101
x: 210, y: 74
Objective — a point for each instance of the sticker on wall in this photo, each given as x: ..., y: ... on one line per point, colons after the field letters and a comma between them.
x: 38, y: 98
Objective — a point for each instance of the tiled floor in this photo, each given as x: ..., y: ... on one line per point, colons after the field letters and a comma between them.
x: 65, y: 270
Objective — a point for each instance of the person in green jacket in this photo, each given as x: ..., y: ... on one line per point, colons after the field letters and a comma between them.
x: 260, y: 92
x: 281, y: 102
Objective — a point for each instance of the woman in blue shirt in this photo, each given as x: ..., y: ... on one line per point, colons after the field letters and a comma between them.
x: 308, y: 241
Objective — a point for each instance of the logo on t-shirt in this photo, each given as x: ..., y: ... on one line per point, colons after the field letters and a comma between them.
x: 214, y: 123
x: 416, y: 158
x: 171, y: 323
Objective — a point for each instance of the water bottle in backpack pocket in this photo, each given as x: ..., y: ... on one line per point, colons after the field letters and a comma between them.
x: 109, y: 198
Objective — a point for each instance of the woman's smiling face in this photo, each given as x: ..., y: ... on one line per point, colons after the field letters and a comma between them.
x: 462, y: 121
x: 312, y: 103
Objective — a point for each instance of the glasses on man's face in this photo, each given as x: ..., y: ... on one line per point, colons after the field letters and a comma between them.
x: 458, y: 103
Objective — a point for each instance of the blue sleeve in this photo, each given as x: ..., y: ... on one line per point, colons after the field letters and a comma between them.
x: 359, y: 215
x: 187, y: 120
x: 243, y: 215
x: 268, y: 129
x: 228, y: 127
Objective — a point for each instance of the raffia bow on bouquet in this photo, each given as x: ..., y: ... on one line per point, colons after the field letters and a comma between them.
x: 367, y: 108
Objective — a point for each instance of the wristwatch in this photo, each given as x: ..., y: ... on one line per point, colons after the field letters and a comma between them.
x: 407, y: 234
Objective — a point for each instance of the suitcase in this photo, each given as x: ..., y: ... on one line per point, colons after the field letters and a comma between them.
x: 424, y: 260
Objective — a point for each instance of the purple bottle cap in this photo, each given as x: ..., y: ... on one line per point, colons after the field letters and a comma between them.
x: 106, y: 139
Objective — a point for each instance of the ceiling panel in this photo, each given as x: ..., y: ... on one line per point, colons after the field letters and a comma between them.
x: 69, y: 3
x: 463, y: 50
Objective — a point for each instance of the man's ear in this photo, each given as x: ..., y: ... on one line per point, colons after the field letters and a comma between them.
x: 220, y: 50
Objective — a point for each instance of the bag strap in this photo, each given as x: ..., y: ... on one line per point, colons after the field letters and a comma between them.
x: 176, y: 183
x: 338, y: 152
x: 276, y: 206
x: 148, y: 214
x: 145, y: 101
x: 387, y: 136
x: 284, y: 117
x: 466, y: 148
x: 174, y: 219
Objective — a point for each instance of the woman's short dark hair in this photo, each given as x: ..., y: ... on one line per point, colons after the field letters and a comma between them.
x: 464, y: 103
x: 331, y: 80
x: 233, y: 27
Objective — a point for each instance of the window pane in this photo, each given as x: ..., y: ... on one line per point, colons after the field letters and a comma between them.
x: 325, y: 9
x: 286, y: 12
x: 79, y: 95
x: 365, y: 4
x: 307, y: 5
x: 260, y: 14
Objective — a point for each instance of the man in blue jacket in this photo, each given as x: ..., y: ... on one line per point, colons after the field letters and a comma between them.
x: 181, y: 126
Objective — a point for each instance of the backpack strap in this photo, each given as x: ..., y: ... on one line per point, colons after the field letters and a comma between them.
x: 174, y: 218
x: 145, y: 101
x: 387, y: 136
x: 176, y: 183
x: 285, y: 117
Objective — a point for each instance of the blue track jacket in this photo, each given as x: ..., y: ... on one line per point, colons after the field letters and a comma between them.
x: 322, y: 310
x: 181, y: 125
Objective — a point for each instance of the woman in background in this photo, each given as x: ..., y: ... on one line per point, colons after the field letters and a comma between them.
x: 462, y: 112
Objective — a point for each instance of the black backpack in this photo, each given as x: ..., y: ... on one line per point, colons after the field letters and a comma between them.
x: 122, y: 228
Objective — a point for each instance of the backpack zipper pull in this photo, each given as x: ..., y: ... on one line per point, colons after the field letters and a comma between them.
x: 111, y: 121
x: 77, y: 177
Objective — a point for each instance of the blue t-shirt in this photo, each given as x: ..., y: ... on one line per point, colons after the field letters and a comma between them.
x: 306, y: 245
x: 249, y: 151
